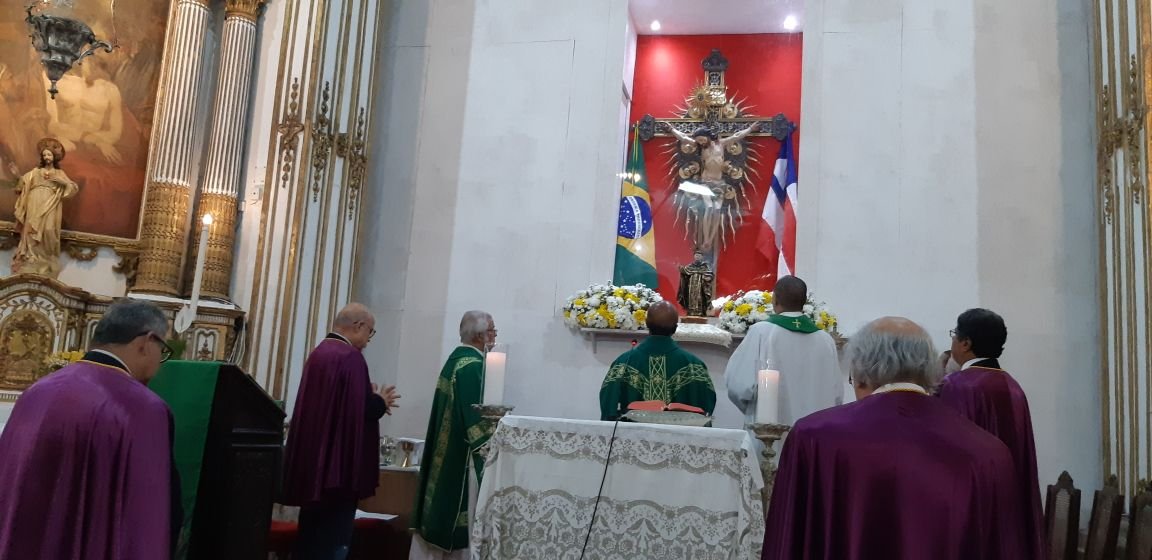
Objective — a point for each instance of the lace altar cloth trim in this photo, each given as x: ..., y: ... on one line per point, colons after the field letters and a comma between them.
x: 553, y: 525
x: 539, y: 492
x: 629, y: 449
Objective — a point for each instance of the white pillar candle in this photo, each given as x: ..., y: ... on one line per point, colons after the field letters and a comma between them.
x: 200, y: 256
x: 495, y: 363
x: 767, y: 396
x: 187, y: 313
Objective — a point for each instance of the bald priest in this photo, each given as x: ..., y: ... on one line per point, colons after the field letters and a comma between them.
x: 657, y: 371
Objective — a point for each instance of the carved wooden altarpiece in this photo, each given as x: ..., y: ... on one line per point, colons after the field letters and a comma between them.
x: 41, y: 316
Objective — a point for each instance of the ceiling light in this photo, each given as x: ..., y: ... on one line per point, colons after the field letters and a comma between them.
x: 655, y: 25
x: 790, y: 23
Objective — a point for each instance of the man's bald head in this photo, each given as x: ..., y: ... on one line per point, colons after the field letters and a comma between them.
x: 662, y: 319
x: 789, y: 295
x: 356, y: 323
x: 892, y: 350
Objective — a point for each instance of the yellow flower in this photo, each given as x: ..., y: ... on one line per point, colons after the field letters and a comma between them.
x: 603, y: 311
x: 567, y: 314
x: 640, y: 315
x: 761, y: 309
x: 820, y: 324
x: 579, y: 302
x: 744, y: 309
x: 618, y: 292
x: 729, y: 305
x: 767, y: 297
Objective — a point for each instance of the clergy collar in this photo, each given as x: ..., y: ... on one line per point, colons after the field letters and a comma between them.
x: 340, y: 337
x: 995, y: 364
x: 792, y: 313
x: 106, y: 358
x: 901, y: 387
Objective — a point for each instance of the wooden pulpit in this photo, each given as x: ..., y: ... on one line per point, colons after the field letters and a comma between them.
x: 228, y: 451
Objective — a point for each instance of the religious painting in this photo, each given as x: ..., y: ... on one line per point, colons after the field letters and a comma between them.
x: 102, y: 114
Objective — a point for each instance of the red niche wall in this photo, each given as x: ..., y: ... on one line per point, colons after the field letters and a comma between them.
x: 765, y: 69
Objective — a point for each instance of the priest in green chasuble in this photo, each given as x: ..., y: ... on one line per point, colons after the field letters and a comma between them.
x: 451, y: 467
x: 657, y: 370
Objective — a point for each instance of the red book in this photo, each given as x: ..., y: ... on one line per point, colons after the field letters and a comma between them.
x: 660, y: 406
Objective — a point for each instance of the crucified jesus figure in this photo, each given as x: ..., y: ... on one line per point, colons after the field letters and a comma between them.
x: 713, y: 167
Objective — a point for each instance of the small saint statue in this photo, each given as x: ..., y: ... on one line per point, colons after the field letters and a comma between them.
x: 695, y: 294
x: 40, y: 195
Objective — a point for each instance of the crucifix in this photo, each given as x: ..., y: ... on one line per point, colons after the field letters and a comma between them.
x: 796, y: 323
x: 711, y: 157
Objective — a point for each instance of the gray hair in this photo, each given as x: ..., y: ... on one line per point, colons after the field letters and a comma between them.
x: 127, y: 319
x: 474, y: 324
x: 893, y: 350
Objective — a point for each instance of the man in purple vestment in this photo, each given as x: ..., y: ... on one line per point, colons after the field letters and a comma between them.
x: 86, y: 457
x: 332, y: 457
x: 897, y: 474
x: 985, y: 394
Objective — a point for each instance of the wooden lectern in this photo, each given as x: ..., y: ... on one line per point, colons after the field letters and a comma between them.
x: 228, y: 450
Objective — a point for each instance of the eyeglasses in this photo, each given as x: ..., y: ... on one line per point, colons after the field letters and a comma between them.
x: 165, y: 350
x: 371, y: 332
x: 952, y: 333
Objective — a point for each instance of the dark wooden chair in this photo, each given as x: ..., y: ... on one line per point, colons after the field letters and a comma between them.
x: 1062, y: 519
x: 1140, y: 524
x: 1104, y: 525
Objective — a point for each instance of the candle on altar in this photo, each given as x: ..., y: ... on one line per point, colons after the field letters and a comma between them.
x: 495, y: 364
x: 201, y: 255
x: 767, y: 396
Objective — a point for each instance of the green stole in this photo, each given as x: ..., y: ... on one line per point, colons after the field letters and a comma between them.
x: 455, y: 432
x: 656, y: 370
x: 801, y: 324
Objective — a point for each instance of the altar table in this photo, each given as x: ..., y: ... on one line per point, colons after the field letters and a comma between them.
x: 670, y: 492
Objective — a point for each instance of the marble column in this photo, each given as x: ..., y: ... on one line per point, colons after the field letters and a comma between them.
x: 225, y: 166
x: 172, y: 166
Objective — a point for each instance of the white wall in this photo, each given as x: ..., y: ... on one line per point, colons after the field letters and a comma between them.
x: 947, y: 163
x: 497, y: 191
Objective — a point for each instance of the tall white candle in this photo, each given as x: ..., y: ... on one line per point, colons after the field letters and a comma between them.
x: 201, y: 255
x: 767, y: 396
x: 495, y: 363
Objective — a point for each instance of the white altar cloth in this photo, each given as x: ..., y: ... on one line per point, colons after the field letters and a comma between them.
x: 670, y: 492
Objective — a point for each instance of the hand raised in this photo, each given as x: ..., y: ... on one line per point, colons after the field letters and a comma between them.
x: 390, y: 396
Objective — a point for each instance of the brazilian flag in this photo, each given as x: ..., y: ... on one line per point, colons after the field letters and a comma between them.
x: 635, y: 242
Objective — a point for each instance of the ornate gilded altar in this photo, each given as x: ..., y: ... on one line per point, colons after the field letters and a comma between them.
x: 41, y: 316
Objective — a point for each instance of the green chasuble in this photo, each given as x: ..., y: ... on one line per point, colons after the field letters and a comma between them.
x: 454, y: 434
x: 796, y: 323
x: 656, y: 370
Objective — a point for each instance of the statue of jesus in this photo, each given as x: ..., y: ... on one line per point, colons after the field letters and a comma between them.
x: 40, y: 194
x: 713, y: 169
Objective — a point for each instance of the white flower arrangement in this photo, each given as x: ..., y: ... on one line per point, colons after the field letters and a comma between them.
x: 604, y: 306
x: 742, y: 310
